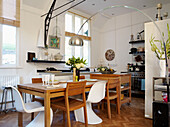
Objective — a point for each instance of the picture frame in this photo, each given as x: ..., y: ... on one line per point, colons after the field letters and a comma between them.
x: 54, y: 42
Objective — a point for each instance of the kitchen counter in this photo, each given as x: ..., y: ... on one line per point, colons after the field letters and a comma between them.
x: 66, y: 73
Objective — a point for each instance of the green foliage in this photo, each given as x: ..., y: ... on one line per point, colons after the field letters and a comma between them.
x: 76, y: 62
x: 160, y: 51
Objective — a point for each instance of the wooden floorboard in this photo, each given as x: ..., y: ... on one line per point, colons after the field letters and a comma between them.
x: 131, y: 116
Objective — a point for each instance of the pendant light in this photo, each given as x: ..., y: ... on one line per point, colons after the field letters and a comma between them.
x: 76, y: 41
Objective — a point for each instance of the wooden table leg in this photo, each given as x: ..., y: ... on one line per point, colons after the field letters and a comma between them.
x: 20, y: 115
x: 119, y: 98
x: 32, y: 114
x: 130, y: 89
x: 20, y: 119
x: 47, y: 109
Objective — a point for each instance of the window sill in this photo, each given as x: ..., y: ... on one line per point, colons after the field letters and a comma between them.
x: 11, y: 67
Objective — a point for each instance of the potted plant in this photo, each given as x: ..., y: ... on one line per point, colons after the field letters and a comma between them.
x: 76, y: 63
x: 157, y: 46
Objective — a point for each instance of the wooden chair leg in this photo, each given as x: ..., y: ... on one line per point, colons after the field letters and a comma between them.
x: 108, y: 108
x: 118, y: 106
x: 85, y: 116
x: 68, y: 119
x: 102, y: 104
x: 20, y: 119
x: 98, y: 106
x: 64, y: 117
x: 32, y: 116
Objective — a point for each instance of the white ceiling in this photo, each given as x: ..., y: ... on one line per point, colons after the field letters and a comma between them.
x: 92, y: 6
x: 89, y: 7
x: 39, y: 4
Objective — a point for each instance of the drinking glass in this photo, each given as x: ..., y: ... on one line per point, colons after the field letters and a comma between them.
x: 52, y: 79
x: 43, y: 80
x: 48, y: 80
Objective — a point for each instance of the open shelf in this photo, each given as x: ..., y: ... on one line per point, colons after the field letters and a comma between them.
x: 125, y: 88
x: 135, y: 42
x: 137, y: 52
x: 44, y: 61
x: 125, y: 100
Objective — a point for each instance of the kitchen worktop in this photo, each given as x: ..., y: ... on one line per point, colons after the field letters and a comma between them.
x: 69, y: 73
x: 65, y: 73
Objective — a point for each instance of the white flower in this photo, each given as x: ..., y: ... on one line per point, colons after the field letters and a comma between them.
x: 103, y: 69
x: 78, y: 66
x: 81, y: 64
x: 68, y: 62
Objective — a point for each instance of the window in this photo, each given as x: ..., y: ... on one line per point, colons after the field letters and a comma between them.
x: 8, y: 45
x: 73, y: 23
x: 9, y: 23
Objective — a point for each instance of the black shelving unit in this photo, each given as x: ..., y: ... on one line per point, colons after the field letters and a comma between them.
x: 138, y: 76
x: 138, y: 41
x: 44, y: 61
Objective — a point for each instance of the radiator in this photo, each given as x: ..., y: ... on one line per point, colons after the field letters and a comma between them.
x: 8, y: 80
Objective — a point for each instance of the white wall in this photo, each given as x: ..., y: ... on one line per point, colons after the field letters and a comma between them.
x: 115, y: 34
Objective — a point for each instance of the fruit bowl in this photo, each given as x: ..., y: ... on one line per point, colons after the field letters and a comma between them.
x: 107, y: 72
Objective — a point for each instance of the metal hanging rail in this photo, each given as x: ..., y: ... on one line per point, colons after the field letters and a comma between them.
x: 68, y: 8
x: 59, y: 7
x: 49, y: 16
x: 47, y: 22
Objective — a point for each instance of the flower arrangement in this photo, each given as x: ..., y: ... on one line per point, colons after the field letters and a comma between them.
x: 160, y: 51
x: 76, y: 63
x: 105, y: 70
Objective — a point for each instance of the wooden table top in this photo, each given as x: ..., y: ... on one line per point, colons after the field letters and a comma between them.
x: 61, y: 86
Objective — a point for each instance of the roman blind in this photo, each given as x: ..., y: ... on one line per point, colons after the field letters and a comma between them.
x: 10, y: 12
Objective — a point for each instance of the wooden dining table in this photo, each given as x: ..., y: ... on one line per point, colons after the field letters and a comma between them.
x: 47, y: 93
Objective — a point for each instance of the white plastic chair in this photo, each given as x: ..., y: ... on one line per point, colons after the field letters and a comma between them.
x: 30, y: 108
x: 96, y: 94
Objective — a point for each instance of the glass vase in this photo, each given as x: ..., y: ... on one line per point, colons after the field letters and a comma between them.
x: 77, y: 74
x: 162, y: 66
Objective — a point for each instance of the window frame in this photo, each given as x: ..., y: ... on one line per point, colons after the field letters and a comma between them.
x: 86, y: 38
